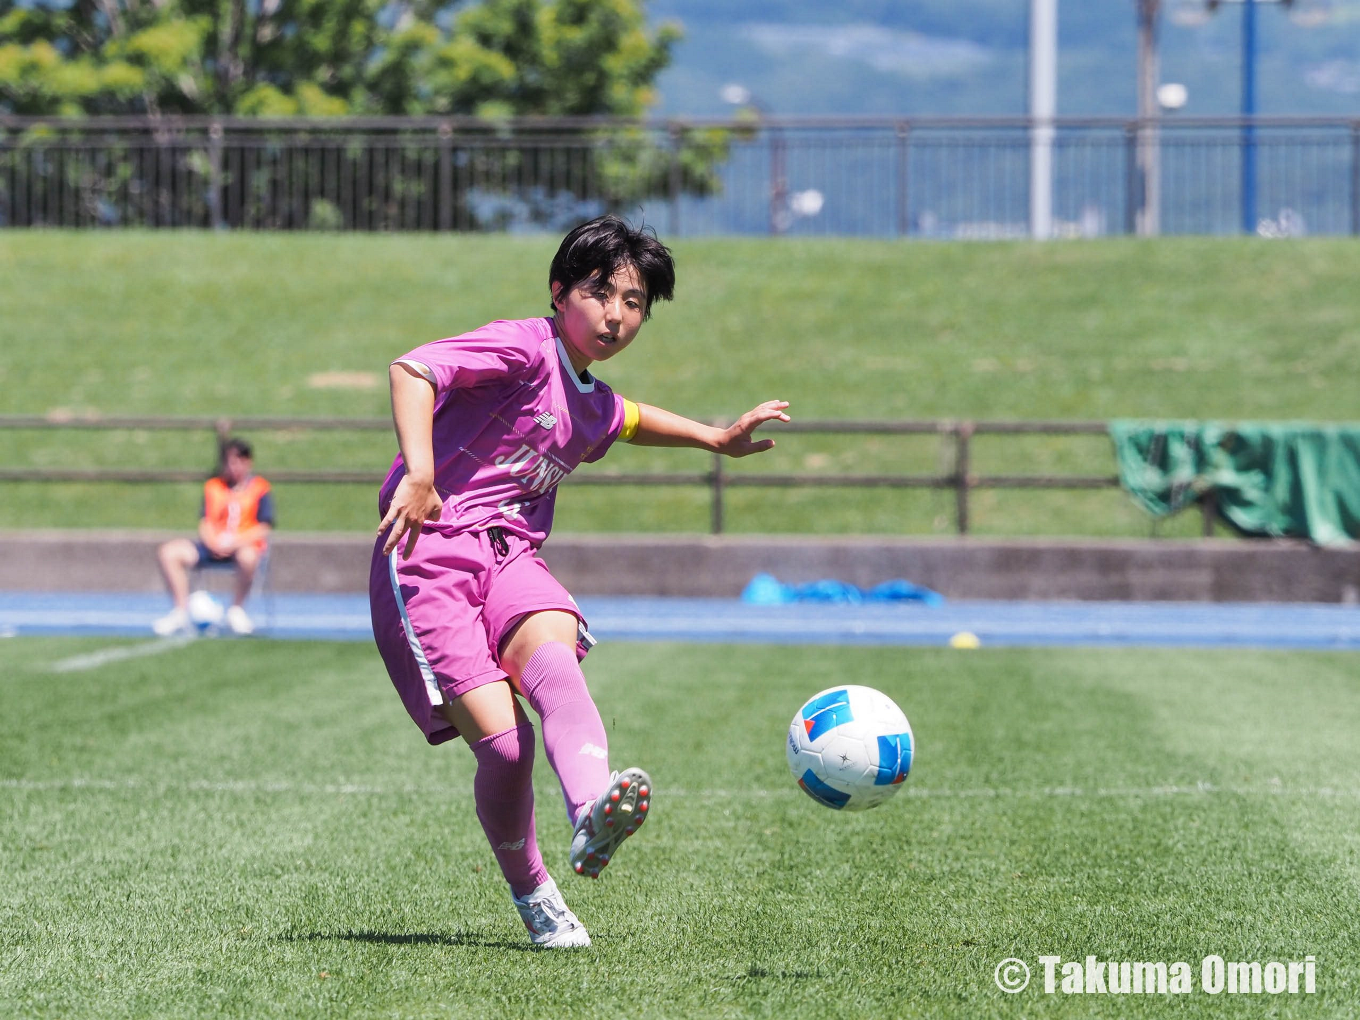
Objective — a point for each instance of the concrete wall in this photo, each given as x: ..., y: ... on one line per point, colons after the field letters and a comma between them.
x: 1203, y: 570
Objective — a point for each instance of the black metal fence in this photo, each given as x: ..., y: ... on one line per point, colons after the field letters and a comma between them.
x: 932, y: 178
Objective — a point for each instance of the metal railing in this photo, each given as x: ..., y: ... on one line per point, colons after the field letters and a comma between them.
x: 718, y: 478
x: 855, y: 176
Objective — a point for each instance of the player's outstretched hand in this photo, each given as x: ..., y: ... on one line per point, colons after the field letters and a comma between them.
x: 737, y: 441
x: 413, y: 504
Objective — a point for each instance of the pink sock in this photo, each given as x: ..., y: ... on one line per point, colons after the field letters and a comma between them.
x: 505, y: 805
x: 573, y: 734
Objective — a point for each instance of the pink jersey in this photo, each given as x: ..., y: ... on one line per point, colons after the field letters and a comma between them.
x: 511, y: 420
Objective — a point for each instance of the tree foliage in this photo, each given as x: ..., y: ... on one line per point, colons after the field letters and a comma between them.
x: 494, y: 58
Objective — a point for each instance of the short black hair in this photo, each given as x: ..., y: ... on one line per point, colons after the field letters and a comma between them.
x: 237, y: 446
x: 600, y: 247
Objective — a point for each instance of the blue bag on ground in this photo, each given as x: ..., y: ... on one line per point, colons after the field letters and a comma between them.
x: 766, y: 590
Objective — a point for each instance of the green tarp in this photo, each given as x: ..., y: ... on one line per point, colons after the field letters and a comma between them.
x: 1268, y: 479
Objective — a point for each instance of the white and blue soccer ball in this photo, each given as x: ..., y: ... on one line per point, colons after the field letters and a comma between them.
x: 205, y: 612
x: 850, y: 748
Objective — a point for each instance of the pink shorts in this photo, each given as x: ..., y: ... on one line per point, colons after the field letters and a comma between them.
x: 440, y: 616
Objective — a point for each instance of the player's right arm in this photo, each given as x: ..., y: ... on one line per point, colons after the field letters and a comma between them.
x: 415, y: 500
x: 211, y: 540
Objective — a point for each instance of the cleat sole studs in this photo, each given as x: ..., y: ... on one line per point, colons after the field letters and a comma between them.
x: 609, y: 823
x: 643, y: 791
x: 625, y: 783
x: 614, y: 796
x: 609, y: 809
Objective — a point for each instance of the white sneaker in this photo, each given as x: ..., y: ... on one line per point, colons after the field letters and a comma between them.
x: 238, y: 622
x: 174, y: 622
x: 609, y: 819
x: 551, y: 924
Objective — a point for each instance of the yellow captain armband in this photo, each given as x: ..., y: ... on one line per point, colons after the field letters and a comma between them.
x: 631, y: 417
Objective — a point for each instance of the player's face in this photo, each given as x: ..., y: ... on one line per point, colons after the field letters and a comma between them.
x: 236, y: 467
x: 598, y: 318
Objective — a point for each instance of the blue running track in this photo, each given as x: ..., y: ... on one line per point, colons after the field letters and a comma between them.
x: 1014, y: 624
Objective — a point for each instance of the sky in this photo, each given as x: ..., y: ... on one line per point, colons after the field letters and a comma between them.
x: 968, y: 57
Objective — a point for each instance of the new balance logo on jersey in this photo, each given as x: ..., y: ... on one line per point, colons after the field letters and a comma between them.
x: 516, y: 845
x: 546, y: 420
x: 594, y: 752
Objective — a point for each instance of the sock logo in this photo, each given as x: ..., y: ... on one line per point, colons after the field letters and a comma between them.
x: 516, y: 845
x: 594, y: 752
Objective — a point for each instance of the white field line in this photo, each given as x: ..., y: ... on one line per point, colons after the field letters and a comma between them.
x: 93, y: 660
x: 1201, y: 789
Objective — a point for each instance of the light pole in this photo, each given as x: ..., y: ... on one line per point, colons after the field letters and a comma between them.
x: 1147, y: 219
x: 780, y: 215
x: 1248, y: 112
x: 1301, y: 12
x: 1043, y: 105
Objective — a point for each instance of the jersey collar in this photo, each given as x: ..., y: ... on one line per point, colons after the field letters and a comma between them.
x: 583, y: 387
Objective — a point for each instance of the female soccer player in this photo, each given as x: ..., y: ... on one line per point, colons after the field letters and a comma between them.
x: 465, y: 613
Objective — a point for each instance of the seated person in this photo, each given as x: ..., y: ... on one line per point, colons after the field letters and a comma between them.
x: 236, y: 519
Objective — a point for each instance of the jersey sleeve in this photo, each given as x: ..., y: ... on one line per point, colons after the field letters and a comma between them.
x: 623, y: 423
x: 264, y: 512
x: 485, y: 355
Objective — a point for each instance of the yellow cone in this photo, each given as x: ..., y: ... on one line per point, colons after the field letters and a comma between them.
x: 965, y: 639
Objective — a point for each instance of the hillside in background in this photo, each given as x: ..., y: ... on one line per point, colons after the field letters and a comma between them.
x: 968, y: 57
x: 202, y: 323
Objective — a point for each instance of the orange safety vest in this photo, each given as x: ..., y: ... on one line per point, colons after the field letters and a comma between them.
x: 229, y: 510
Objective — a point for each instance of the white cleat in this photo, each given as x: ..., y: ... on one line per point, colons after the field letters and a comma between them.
x: 174, y: 622
x: 551, y: 923
x: 608, y: 820
x: 238, y: 622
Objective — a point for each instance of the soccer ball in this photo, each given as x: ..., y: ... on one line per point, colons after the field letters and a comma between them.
x: 205, y: 611
x: 850, y: 748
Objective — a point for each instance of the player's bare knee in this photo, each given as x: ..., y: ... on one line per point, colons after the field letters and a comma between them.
x: 483, y: 712
x: 177, y: 553
x: 533, y: 631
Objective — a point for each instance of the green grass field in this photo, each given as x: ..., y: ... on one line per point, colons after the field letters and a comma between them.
x: 256, y: 830
x: 200, y: 323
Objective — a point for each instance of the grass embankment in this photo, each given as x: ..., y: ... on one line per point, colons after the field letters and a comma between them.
x: 198, y: 323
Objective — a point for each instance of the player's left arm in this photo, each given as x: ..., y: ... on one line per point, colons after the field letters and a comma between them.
x: 256, y: 533
x: 659, y: 427
x: 264, y: 522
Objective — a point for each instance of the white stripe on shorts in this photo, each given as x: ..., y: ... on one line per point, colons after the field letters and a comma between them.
x: 431, y: 685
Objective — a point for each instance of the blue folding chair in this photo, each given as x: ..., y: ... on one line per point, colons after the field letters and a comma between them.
x: 260, y: 591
